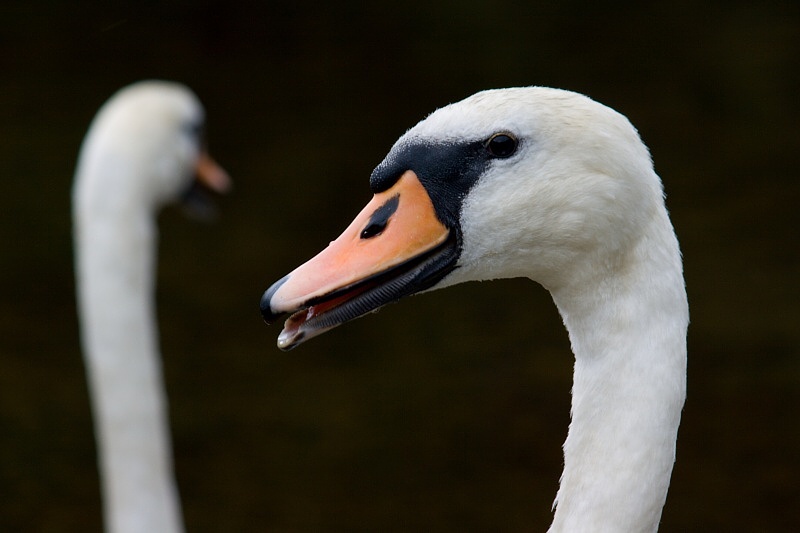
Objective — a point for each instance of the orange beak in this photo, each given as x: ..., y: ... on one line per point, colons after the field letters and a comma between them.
x: 210, y: 174
x: 396, y: 246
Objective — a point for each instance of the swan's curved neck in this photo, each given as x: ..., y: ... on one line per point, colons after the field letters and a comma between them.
x: 627, y: 325
x: 116, y: 257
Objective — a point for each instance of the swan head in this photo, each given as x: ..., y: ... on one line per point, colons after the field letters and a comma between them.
x: 145, y: 147
x: 534, y: 182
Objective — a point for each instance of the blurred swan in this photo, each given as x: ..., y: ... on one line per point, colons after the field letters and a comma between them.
x: 550, y: 185
x: 143, y: 149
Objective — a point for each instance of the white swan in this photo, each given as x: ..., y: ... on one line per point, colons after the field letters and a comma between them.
x: 141, y: 151
x: 550, y: 185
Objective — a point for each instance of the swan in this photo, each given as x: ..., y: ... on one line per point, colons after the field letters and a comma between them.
x: 141, y: 151
x: 550, y: 185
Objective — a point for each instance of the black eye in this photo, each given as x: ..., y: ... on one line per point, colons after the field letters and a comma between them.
x: 196, y: 130
x: 502, y: 145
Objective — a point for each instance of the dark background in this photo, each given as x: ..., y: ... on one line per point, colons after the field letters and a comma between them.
x: 445, y: 412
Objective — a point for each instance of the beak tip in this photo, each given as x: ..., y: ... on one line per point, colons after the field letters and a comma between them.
x: 267, y: 312
x: 289, y: 342
x: 225, y: 183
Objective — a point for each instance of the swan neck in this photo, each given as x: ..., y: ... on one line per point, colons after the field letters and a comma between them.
x: 116, y: 252
x: 627, y: 324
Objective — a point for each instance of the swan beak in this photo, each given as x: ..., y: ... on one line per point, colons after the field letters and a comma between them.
x: 208, y: 177
x: 210, y: 174
x: 396, y: 246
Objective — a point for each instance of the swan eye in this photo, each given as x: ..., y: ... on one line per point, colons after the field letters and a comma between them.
x: 502, y: 145
x: 196, y: 130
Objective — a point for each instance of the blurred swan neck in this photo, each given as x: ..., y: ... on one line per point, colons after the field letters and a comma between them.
x: 116, y: 269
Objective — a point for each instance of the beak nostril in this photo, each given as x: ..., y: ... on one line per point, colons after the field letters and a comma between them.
x: 373, y: 230
x: 380, y: 218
